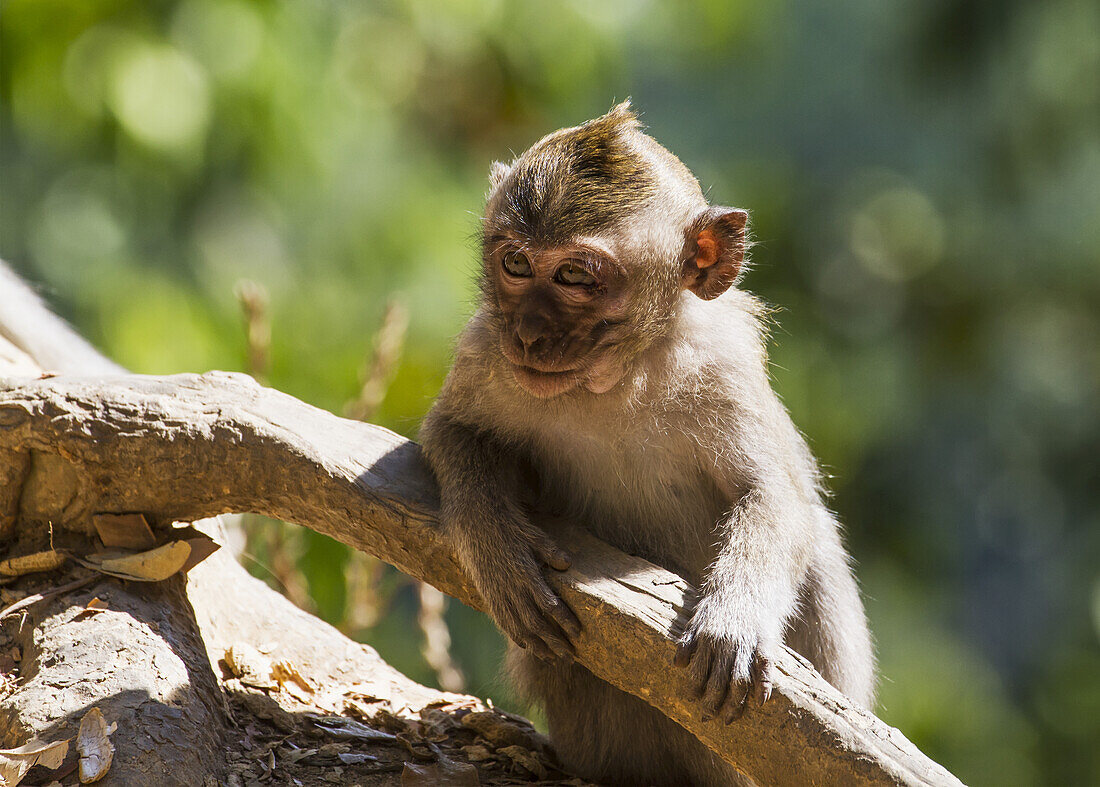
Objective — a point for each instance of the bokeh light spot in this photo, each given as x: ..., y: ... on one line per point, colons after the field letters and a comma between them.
x: 160, y: 96
x: 898, y: 234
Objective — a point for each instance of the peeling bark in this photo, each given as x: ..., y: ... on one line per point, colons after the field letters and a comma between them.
x: 188, y: 447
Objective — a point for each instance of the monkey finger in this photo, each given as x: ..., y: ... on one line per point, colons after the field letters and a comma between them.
x: 565, y: 618
x: 547, y: 630
x: 717, y: 688
x: 550, y: 605
x: 540, y: 649
x: 738, y: 702
x: 512, y: 631
x: 701, y: 667
x: 551, y: 554
x: 556, y: 641
x: 559, y: 559
x: 761, y: 679
x: 684, y: 651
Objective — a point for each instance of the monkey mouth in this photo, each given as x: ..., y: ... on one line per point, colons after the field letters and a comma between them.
x: 545, y: 384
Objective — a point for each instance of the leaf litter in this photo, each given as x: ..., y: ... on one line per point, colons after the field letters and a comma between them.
x: 302, y: 733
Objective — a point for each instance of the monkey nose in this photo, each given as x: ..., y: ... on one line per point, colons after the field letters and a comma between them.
x: 528, y: 332
x: 526, y: 343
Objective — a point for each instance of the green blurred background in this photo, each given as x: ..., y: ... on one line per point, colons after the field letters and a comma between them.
x: 925, y: 184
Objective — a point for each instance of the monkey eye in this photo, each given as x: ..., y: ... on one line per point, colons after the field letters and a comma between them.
x: 516, y: 263
x: 574, y: 274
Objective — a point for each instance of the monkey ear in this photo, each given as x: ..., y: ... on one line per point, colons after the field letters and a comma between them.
x: 497, y: 173
x: 715, y: 251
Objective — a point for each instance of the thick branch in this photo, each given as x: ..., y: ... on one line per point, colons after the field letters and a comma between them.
x: 189, y: 447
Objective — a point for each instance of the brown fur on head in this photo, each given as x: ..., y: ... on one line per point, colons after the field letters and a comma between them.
x: 588, y: 240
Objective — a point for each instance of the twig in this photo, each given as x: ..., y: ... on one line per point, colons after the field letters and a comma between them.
x: 36, y: 597
x: 436, y: 648
x: 253, y: 299
x: 389, y: 344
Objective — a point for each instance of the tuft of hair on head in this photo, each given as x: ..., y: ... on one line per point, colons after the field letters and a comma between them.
x: 621, y: 117
x: 579, y: 178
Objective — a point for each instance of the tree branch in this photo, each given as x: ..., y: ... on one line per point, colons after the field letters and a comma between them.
x: 188, y: 447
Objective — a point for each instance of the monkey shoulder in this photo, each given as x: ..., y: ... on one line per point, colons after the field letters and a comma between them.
x: 718, y: 387
x: 717, y: 356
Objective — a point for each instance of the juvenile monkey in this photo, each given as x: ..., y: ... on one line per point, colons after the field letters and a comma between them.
x: 613, y: 375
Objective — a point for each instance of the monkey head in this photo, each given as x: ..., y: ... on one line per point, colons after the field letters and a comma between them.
x: 589, y: 239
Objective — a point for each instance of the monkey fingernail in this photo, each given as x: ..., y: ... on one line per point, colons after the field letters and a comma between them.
x: 683, y: 656
x: 764, y: 693
x: 737, y: 710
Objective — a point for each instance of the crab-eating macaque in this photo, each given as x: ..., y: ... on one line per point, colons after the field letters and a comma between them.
x: 612, y: 375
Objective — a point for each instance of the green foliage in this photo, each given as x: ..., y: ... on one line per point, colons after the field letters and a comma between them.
x: 923, y: 180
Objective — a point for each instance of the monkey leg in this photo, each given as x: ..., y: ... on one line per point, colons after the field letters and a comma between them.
x: 612, y: 737
x: 831, y: 627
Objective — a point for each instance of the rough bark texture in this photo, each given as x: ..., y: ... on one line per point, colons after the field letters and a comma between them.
x: 188, y: 447
x: 140, y: 661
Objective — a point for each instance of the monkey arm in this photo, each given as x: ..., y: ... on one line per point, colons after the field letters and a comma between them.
x: 748, y: 595
x: 495, y: 541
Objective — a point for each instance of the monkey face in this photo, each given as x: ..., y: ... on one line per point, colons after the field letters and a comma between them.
x: 589, y: 238
x: 562, y: 313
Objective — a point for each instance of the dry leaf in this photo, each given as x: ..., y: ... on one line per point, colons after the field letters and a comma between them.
x: 202, y: 547
x: 294, y: 755
x: 153, y: 565
x: 477, y: 753
x: 14, y: 763
x: 29, y: 564
x: 349, y: 729
x: 130, y: 531
x: 438, y: 726
x: 500, y: 730
x: 94, y: 606
x: 292, y: 681
x: 94, y: 745
x: 445, y: 773
x: 252, y: 667
x: 525, y: 759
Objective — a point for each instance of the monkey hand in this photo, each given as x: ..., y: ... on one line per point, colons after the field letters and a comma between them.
x: 730, y: 661
x: 512, y: 584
